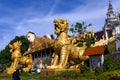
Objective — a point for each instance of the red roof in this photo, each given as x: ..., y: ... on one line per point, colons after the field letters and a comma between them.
x: 94, y: 51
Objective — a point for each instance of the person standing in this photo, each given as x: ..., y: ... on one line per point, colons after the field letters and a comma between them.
x: 16, y: 75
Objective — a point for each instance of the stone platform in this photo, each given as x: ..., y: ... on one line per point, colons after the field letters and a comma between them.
x: 54, y: 72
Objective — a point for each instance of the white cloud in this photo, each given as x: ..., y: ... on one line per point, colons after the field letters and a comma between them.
x: 44, y: 25
x: 94, y: 13
x: 53, y: 7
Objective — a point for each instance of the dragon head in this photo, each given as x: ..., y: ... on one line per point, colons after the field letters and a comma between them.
x: 15, y: 46
x: 61, y: 25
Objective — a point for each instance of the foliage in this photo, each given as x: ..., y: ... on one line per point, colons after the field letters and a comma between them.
x: 89, y: 41
x: 84, y: 68
x: 112, y: 46
x: 30, y: 76
x: 79, y: 29
x: 98, y: 70
x: 67, y: 75
x: 73, y: 75
x: 24, y: 41
x: 5, y: 57
x: 111, y: 65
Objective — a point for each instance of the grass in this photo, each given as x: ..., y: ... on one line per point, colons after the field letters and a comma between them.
x: 67, y: 75
x: 4, y: 76
x: 30, y: 76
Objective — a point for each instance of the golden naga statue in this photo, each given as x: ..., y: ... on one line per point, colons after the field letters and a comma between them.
x: 65, y: 50
x: 18, y: 58
x: 104, y: 41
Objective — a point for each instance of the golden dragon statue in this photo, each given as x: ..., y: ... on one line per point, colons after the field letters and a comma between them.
x: 65, y: 49
x: 18, y: 58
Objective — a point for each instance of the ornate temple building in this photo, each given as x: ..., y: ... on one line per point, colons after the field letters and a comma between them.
x: 112, y: 22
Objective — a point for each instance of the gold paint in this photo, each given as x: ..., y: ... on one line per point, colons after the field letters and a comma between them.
x: 65, y: 50
x: 18, y: 58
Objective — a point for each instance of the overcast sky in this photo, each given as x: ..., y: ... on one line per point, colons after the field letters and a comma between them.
x: 17, y: 17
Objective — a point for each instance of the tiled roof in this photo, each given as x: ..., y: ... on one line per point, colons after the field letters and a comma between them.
x: 94, y: 51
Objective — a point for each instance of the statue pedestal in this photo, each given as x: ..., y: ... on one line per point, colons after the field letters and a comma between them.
x: 54, y: 72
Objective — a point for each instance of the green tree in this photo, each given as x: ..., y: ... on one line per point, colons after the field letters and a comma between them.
x: 5, y: 56
x: 25, y: 43
x: 79, y: 29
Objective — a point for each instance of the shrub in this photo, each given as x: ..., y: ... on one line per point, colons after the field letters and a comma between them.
x: 84, y: 68
x: 111, y: 65
x: 98, y: 70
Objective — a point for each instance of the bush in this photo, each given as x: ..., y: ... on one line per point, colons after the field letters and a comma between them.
x: 111, y: 47
x: 84, y: 68
x: 98, y: 70
x: 111, y: 65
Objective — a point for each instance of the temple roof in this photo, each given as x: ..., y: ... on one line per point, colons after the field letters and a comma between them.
x: 94, y: 51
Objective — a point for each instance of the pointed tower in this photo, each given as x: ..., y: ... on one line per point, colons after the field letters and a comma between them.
x: 111, y: 22
x: 110, y: 14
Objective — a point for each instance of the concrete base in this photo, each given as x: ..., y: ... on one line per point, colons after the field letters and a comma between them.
x: 54, y: 72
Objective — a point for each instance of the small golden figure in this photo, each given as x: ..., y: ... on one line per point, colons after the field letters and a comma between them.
x: 18, y: 58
